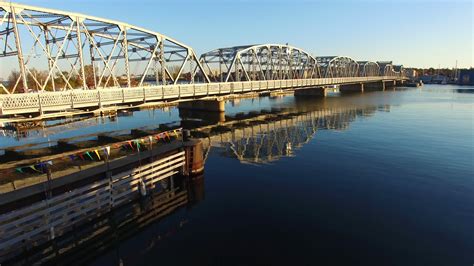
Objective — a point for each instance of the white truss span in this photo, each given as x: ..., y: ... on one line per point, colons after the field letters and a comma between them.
x: 259, y: 62
x: 57, y: 51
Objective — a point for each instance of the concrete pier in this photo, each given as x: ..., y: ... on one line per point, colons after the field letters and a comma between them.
x: 374, y: 86
x: 352, y: 88
x: 211, y: 105
x: 317, y: 91
x: 190, y: 115
x: 389, y: 84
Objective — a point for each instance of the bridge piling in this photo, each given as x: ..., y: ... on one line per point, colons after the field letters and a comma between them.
x: 317, y: 91
x: 213, y: 105
x: 190, y: 116
x: 374, y: 86
x: 399, y: 83
x: 389, y: 84
x: 352, y: 88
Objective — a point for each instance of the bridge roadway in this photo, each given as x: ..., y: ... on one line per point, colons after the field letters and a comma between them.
x: 60, y: 101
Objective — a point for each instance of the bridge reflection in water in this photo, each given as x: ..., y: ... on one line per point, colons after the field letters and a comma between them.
x: 267, y: 136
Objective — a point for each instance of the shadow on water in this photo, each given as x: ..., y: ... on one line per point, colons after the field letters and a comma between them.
x: 471, y: 90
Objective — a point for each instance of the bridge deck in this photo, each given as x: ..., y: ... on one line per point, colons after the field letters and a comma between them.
x: 24, y: 103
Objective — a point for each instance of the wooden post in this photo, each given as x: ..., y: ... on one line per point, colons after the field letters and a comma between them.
x: 150, y: 138
x: 49, y: 193
x: 108, y: 175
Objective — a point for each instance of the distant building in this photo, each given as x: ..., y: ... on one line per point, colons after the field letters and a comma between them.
x: 466, y: 77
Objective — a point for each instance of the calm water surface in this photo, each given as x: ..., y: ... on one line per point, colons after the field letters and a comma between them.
x: 387, y: 178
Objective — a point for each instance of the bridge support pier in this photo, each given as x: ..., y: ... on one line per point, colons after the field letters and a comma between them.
x: 321, y: 92
x: 399, y: 83
x: 352, y: 88
x: 374, y: 86
x: 193, y: 118
x: 214, y: 105
x: 389, y: 84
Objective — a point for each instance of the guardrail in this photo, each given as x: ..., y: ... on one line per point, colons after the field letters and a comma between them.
x: 23, y: 103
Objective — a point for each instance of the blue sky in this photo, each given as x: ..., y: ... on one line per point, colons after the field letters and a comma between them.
x: 413, y: 33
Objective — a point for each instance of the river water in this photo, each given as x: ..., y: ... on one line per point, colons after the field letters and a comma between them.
x: 379, y: 178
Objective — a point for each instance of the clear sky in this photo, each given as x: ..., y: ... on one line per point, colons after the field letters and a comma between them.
x: 416, y: 33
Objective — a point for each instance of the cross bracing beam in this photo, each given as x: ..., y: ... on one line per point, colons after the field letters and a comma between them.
x: 57, y: 50
x: 259, y: 62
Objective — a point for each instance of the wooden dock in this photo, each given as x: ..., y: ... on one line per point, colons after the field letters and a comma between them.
x: 39, y: 213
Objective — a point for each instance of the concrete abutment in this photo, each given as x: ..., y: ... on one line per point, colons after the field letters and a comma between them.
x: 211, y: 105
x: 358, y: 87
x: 317, y: 91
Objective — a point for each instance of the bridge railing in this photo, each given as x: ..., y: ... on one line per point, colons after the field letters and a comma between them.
x: 64, y: 100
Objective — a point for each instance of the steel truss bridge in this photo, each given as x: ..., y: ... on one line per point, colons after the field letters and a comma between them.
x: 61, y: 60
